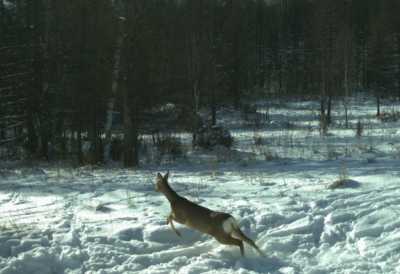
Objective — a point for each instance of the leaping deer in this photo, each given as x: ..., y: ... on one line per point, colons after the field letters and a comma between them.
x: 222, y: 226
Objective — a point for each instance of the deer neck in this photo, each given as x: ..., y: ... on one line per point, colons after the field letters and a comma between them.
x: 170, y: 194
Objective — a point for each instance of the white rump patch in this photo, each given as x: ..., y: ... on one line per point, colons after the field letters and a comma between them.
x: 229, y: 224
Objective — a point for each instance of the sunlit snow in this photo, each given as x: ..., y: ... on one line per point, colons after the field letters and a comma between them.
x: 57, y: 219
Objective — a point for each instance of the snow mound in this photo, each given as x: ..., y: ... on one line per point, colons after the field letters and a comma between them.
x: 39, y: 260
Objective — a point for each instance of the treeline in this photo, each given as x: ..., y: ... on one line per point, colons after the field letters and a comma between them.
x: 75, y: 74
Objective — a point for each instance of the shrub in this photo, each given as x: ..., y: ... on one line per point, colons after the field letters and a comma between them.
x: 248, y: 110
x: 258, y: 140
x: 269, y: 156
x: 92, y: 153
x: 324, y: 123
x: 210, y: 136
x: 116, y: 149
x: 387, y: 117
x: 359, y: 129
x: 343, y: 173
x: 169, y: 145
x: 253, y: 117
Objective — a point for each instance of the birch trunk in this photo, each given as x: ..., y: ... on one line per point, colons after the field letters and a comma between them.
x: 114, y: 89
x: 346, y: 88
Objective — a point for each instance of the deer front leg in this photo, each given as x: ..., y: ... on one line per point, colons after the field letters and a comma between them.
x: 170, y: 221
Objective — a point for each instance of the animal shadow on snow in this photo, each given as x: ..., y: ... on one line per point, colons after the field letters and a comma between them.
x: 252, y: 261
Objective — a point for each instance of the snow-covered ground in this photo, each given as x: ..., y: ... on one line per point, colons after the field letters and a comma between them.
x: 57, y: 219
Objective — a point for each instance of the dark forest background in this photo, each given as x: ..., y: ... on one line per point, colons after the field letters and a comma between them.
x: 89, y: 71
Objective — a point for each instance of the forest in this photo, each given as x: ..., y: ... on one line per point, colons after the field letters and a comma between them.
x: 199, y: 136
x: 99, y: 74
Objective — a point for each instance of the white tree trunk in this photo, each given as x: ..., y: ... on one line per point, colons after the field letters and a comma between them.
x: 114, y: 89
x: 346, y: 96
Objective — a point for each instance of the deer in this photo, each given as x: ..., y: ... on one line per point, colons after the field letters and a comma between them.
x: 222, y: 226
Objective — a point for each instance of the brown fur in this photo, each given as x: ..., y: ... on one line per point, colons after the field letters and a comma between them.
x: 201, y: 218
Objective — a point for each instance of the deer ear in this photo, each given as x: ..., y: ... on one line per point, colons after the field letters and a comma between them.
x: 159, y: 176
x: 166, y: 175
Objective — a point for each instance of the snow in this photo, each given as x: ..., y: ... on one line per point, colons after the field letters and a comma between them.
x: 8, y: 4
x: 110, y: 220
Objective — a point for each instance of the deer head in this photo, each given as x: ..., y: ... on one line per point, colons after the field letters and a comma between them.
x: 162, y: 182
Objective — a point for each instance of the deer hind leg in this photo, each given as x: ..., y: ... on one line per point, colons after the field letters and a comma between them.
x: 170, y: 221
x: 228, y: 240
x: 237, y: 233
x: 231, y: 227
x: 240, y: 244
